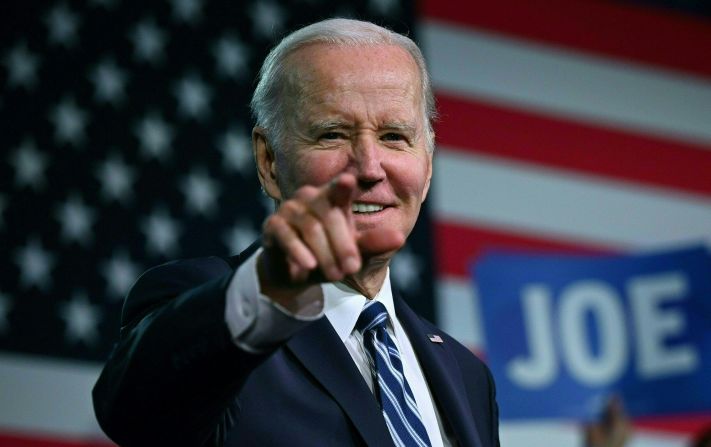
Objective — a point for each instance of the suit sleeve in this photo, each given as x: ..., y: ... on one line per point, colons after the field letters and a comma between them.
x: 174, y: 373
x: 494, y: 409
x: 481, y: 390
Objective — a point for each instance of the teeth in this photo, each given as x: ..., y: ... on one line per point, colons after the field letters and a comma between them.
x: 366, y: 208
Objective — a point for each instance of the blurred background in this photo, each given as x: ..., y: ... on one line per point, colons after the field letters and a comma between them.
x: 572, y: 126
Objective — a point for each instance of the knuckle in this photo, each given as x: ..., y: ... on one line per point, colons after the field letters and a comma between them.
x: 311, y: 228
x: 277, y: 228
x: 290, y: 207
x: 334, y: 215
x: 270, y: 223
x: 349, y: 249
x: 306, y: 192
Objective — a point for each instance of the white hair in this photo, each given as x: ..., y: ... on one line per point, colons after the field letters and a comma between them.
x: 268, y: 100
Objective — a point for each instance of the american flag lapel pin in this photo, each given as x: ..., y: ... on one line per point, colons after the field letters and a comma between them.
x: 434, y: 338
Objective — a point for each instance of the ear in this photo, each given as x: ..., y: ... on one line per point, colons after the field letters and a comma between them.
x: 266, y: 163
x: 429, y: 175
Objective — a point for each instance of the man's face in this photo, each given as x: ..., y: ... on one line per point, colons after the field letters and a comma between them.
x: 359, y: 110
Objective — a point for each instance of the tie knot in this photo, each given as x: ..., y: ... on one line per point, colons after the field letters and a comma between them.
x: 372, y: 316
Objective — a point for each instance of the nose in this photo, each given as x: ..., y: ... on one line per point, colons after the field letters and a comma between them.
x: 368, y: 160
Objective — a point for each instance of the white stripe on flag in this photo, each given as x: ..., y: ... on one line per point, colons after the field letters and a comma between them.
x: 549, y: 202
x: 560, y: 433
x: 458, y: 311
x: 48, y: 396
x: 567, y: 83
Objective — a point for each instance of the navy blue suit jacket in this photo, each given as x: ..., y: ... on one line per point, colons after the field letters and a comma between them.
x: 175, y: 377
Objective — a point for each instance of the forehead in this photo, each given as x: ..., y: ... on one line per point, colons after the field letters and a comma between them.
x: 325, y: 72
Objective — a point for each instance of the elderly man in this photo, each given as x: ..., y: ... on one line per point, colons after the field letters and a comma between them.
x: 300, y: 339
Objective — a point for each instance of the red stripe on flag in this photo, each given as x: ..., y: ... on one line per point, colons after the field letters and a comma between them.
x: 8, y: 439
x: 636, y: 33
x: 515, y: 134
x: 458, y: 245
x: 689, y: 423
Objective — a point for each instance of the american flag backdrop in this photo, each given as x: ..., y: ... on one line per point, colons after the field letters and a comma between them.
x: 564, y: 125
x: 126, y: 143
x: 567, y: 125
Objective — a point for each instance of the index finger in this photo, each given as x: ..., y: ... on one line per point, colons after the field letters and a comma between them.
x: 341, y: 190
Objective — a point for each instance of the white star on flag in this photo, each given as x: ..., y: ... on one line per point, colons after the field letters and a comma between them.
x: 161, y: 232
x: 21, y: 67
x: 236, y: 148
x: 384, y: 7
x: 29, y: 164
x: 119, y: 273
x: 148, y: 41
x: 268, y: 18
x: 232, y: 57
x: 193, y: 97
x: 406, y: 270
x: 200, y: 192
x: 76, y: 220
x: 62, y: 25
x: 154, y: 135
x: 240, y: 236
x: 81, y: 319
x: 109, y: 82
x: 187, y: 11
x: 35, y: 265
x: 116, y: 178
x: 69, y: 122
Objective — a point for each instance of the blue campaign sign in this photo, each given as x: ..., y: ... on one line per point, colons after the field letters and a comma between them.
x: 564, y: 333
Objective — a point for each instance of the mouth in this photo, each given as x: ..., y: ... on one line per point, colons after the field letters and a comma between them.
x: 366, y: 208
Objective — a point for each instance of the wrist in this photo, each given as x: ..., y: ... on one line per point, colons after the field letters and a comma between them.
x: 303, y: 300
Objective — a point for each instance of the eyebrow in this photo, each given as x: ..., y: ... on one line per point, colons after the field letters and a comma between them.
x: 322, y: 126
x: 402, y: 127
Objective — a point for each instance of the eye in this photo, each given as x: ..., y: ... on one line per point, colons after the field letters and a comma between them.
x: 332, y: 136
x: 392, y: 136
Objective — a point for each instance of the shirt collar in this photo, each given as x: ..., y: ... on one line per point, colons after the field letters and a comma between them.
x: 343, y: 304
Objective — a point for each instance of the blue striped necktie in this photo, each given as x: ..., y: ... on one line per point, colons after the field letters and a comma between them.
x: 393, y: 392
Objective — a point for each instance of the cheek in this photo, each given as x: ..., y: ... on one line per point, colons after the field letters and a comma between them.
x: 409, y: 179
x: 319, y: 167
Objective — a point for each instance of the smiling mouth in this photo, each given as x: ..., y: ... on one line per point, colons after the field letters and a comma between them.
x: 366, y: 208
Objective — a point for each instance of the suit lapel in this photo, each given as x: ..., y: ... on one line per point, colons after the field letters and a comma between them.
x: 443, y: 376
x: 322, y: 353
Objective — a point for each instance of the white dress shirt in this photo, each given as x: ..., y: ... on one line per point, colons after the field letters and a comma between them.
x: 257, y: 323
